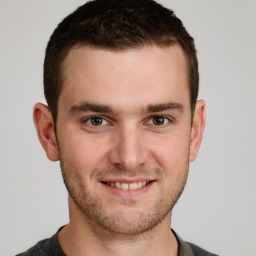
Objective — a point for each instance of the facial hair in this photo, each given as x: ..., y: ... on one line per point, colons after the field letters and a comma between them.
x: 94, y: 208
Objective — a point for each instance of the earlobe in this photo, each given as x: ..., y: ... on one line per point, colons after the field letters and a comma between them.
x: 197, y: 129
x: 45, y: 130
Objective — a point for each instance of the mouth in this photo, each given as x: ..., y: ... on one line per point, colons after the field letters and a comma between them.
x: 127, y: 186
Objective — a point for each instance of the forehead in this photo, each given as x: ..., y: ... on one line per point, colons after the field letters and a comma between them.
x: 148, y: 75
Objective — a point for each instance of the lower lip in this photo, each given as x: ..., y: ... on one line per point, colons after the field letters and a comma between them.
x: 129, y: 192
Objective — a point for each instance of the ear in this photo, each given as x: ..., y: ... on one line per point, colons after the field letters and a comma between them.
x: 197, y: 129
x: 45, y: 130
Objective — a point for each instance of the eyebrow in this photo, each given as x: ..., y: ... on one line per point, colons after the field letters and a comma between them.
x: 165, y: 106
x: 84, y: 107
x: 99, y: 108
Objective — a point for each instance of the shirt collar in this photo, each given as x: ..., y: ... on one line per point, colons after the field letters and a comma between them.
x: 184, y: 248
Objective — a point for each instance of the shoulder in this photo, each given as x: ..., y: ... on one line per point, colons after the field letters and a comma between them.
x: 45, y: 247
x: 35, y: 250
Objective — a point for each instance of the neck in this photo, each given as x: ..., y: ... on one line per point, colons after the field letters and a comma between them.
x: 81, y: 237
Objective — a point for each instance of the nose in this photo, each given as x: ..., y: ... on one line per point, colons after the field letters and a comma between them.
x: 130, y: 150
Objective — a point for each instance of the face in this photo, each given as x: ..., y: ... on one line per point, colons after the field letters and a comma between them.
x: 124, y: 133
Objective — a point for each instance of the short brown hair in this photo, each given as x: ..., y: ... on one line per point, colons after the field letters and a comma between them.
x: 116, y: 25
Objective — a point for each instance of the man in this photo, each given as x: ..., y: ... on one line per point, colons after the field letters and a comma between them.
x: 121, y: 83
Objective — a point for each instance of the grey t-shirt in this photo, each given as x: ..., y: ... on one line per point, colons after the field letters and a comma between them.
x: 51, y: 247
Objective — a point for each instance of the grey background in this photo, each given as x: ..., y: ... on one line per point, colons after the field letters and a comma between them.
x: 218, y: 207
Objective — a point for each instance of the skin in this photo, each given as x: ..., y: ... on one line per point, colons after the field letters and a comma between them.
x: 137, y: 88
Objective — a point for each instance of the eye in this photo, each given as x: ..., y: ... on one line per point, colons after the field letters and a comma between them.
x: 96, y: 121
x: 159, y: 120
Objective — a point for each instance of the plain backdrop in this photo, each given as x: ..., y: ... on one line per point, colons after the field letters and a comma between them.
x: 218, y: 208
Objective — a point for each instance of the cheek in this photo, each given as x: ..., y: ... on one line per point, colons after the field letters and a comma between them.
x: 171, y: 152
x: 84, y: 151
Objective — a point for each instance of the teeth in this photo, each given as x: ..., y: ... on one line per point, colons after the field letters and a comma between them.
x: 126, y: 186
x: 133, y: 186
x: 118, y: 185
x: 139, y: 184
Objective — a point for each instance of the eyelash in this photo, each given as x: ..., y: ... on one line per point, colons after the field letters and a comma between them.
x: 90, y: 119
x: 169, y: 120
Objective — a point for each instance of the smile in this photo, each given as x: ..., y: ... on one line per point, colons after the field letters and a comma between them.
x: 127, y: 186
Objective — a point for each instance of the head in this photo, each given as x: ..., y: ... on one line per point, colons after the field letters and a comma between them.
x: 117, y: 26
x: 121, y: 81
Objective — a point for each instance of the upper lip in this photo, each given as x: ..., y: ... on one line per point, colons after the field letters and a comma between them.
x: 125, y: 180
